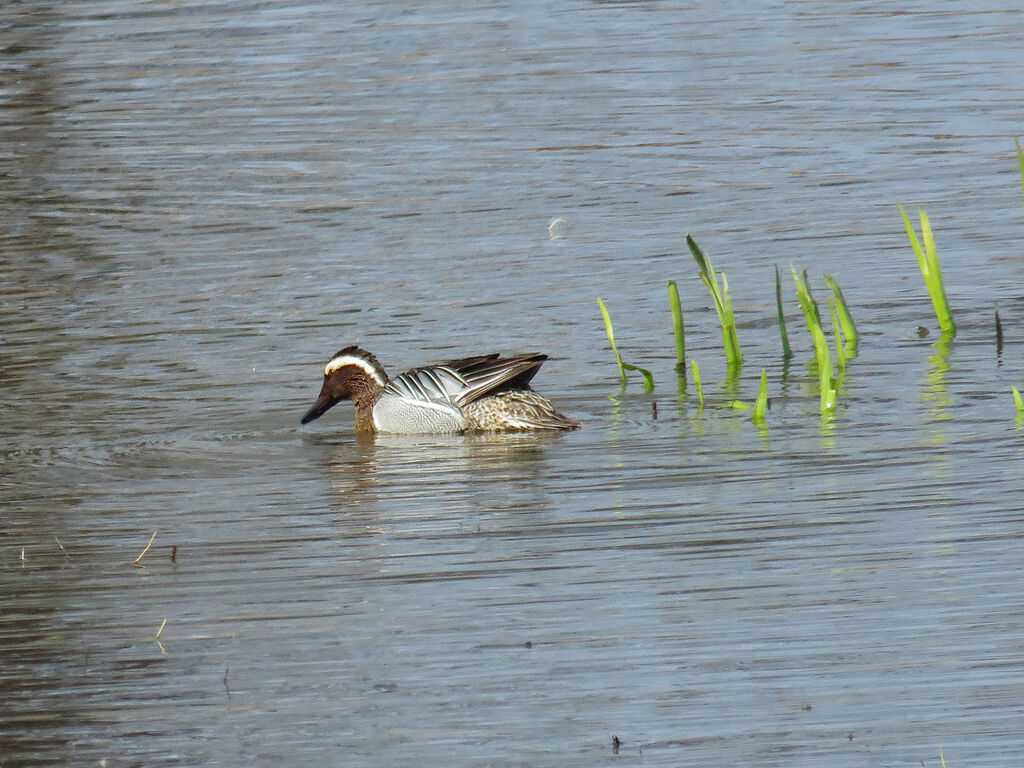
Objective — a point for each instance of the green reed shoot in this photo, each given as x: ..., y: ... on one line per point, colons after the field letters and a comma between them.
x: 821, y: 350
x: 609, y: 331
x: 761, y: 404
x: 845, y: 318
x: 623, y: 367
x: 811, y: 316
x: 1020, y: 162
x: 786, y: 351
x: 723, y: 303
x: 696, y: 383
x: 837, y: 335
x: 1019, y: 401
x: 928, y: 261
x: 810, y: 295
x: 677, y: 327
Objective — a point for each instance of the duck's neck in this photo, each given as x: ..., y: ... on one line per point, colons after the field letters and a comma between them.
x: 364, y: 400
x: 364, y: 421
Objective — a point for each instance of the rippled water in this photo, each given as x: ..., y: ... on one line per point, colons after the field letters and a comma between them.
x: 202, y: 201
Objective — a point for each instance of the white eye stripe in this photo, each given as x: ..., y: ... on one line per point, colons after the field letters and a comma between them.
x: 343, y: 360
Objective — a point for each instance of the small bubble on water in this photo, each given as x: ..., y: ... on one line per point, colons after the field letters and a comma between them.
x: 558, y: 228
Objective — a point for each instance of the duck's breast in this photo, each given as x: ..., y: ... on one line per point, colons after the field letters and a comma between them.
x: 394, y: 413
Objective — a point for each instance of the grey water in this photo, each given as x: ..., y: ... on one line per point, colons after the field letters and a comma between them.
x: 201, y: 201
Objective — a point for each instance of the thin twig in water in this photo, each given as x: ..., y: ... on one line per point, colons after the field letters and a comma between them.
x: 67, y: 558
x: 156, y: 639
x: 143, y: 553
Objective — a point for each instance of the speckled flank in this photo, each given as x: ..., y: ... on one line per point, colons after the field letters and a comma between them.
x: 515, y: 410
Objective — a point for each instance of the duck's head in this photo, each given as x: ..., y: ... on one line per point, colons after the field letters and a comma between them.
x: 351, y: 374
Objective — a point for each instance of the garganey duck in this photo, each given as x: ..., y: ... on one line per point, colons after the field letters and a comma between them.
x: 483, y: 393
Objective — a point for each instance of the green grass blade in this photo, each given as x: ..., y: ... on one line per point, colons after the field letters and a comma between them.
x: 761, y: 404
x: 1020, y: 162
x: 648, y: 378
x: 822, y: 354
x: 722, y: 300
x: 677, y: 327
x: 936, y: 286
x: 827, y: 393
x: 928, y: 262
x: 845, y: 318
x: 803, y: 297
x: 611, y: 339
x: 1019, y: 401
x: 703, y: 262
x: 810, y: 295
x: 837, y: 335
x: 732, y: 340
x: 623, y: 367
x: 696, y: 383
x: 786, y: 351
x: 922, y: 262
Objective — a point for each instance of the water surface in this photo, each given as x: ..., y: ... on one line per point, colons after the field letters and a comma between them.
x: 203, y: 201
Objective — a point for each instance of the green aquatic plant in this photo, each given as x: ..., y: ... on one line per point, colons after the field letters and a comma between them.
x: 696, y: 383
x: 677, y: 327
x: 810, y: 294
x: 928, y: 261
x: 623, y: 366
x: 1019, y: 401
x: 786, y: 351
x: 1020, y: 163
x: 845, y: 318
x: 837, y: 335
x: 761, y: 404
x: 722, y: 300
x: 822, y: 355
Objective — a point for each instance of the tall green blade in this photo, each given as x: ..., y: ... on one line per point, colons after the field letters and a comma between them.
x: 623, y: 367
x: 677, y: 327
x: 761, y: 404
x: 786, y: 351
x: 822, y: 355
x: 810, y: 295
x: 611, y: 339
x: 826, y: 392
x: 845, y: 318
x: 722, y: 300
x: 803, y: 297
x: 1020, y: 162
x: 837, y: 334
x: 928, y: 261
x: 729, y: 333
x: 922, y: 262
x: 696, y: 383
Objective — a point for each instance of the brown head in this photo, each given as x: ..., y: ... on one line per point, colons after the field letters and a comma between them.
x: 351, y: 374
